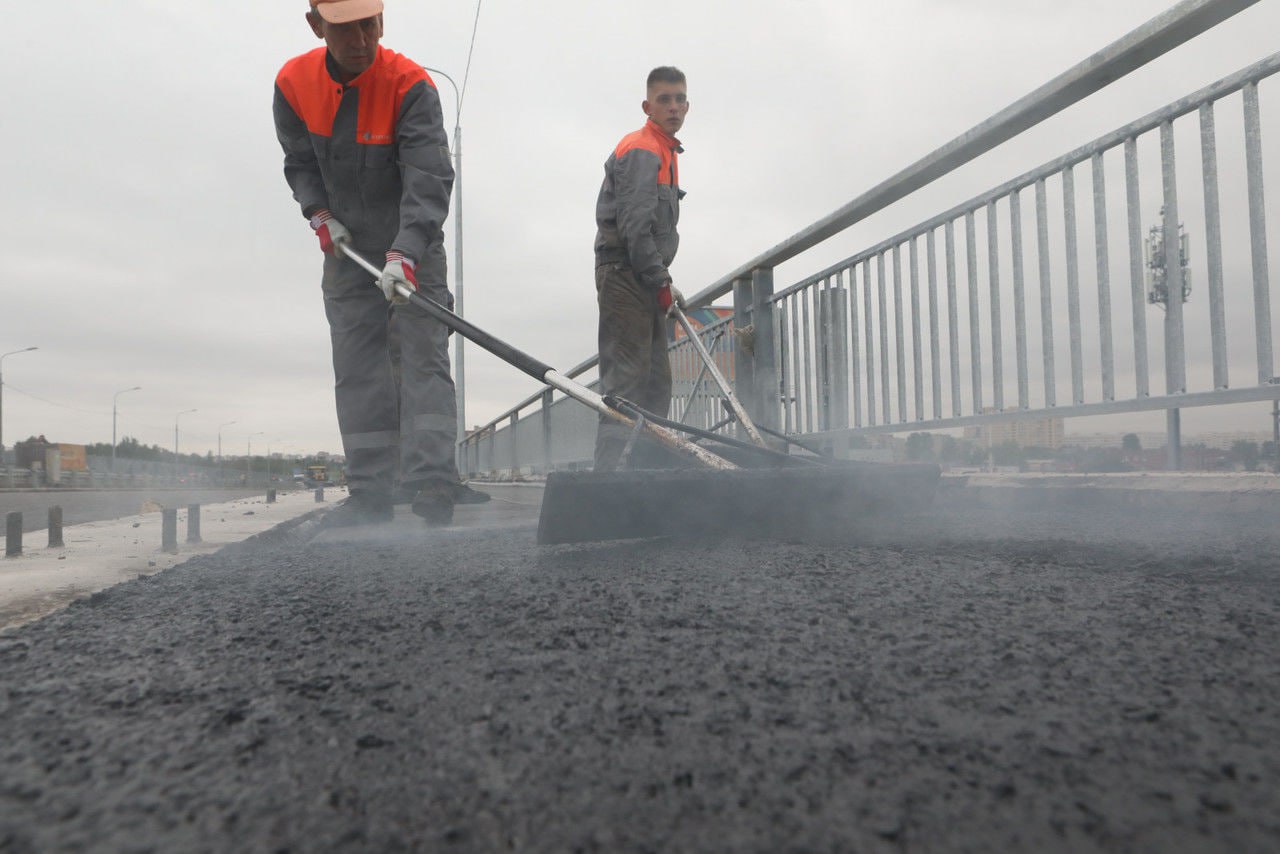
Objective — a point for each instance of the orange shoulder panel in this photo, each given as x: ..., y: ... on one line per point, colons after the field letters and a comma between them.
x: 383, y: 93
x: 645, y: 140
x: 314, y: 95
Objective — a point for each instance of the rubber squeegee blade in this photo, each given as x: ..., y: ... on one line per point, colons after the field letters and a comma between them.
x: 587, y: 506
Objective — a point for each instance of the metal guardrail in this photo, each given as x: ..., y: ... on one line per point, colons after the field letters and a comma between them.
x: 823, y: 362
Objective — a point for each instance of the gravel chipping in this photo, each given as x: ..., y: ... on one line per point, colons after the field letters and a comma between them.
x: 1031, y: 682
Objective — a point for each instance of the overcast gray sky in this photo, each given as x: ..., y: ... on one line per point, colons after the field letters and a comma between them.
x: 150, y: 239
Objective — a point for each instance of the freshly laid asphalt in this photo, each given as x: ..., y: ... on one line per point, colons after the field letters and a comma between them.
x: 960, y: 679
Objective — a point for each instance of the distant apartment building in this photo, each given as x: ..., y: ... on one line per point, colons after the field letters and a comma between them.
x: 1025, y: 433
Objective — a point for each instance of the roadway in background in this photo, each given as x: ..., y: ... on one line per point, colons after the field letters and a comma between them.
x: 92, y: 505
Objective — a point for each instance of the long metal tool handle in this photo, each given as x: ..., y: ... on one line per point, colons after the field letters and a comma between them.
x: 717, y: 377
x: 541, y: 371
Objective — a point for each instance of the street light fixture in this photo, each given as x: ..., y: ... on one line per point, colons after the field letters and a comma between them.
x: 10, y: 353
x: 248, y: 457
x: 115, y: 398
x: 459, y: 367
x: 175, y: 440
x: 220, y: 426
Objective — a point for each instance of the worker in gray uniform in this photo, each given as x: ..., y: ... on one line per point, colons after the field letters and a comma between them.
x: 367, y: 158
x: 636, y: 241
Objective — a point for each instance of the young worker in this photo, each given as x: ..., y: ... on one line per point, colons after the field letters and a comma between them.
x: 636, y: 241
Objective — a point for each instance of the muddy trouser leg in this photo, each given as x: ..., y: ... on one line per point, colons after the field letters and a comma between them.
x: 363, y: 386
x: 428, y: 406
x: 631, y: 336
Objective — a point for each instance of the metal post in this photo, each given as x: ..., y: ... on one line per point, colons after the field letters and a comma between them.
x: 13, y: 534
x: 744, y: 363
x: 55, y: 527
x: 515, y: 449
x: 169, y: 530
x: 764, y: 370
x: 546, y: 431
x: 193, y: 523
x: 459, y: 366
x: 1174, y: 359
x: 460, y: 373
x: 319, y: 494
x: 271, y: 496
x: 1173, y: 462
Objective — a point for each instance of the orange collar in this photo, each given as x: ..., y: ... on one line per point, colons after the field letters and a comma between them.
x: 672, y: 142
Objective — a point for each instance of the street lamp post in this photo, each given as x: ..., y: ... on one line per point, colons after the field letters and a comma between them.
x: 10, y: 353
x: 176, y: 464
x: 248, y: 457
x: 459, y: 366
x: 220, y: 426
x: 115, y: 398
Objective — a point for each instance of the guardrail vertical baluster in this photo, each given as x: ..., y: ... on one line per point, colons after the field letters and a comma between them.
x: 997, y: 347
x: 1103, y: 257
x: 885, y: 390
x: 1258, y: 234
x: 900, y: 343
x: 975, y: 323
x: 1046, y: 295
x: 1213, y: 245
x: 821, y: 355
x: 797, y: 366
x: 917, y: 344
x: 953, y: 318
x: 515, y: 446
x: 1019, y: 298
x: 869, y: 342
x: 1073, y: 283
x: 1175, y: 362
x: 935, y: 332
x: 855, y: 346
x: 1137, y: 286
x: 806, y: 323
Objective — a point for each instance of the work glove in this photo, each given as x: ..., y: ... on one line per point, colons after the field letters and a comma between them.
x: 669, y: 295
x: 333, y: 234
x: 399, y: 270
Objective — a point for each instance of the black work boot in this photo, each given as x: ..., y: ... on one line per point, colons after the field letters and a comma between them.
x: 363, y: 507
x: 434, y: 502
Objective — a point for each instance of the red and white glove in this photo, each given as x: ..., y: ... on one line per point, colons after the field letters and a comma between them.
x: 333, y: 234
x: 668, y: 294
x: 399, y: 271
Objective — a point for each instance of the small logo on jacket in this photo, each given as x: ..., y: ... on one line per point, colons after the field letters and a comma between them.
x: 375, y: 137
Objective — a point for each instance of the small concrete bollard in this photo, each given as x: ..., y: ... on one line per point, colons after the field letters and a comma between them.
x: 169, y: 530
x: 319, y: 494
x: 271, y: 496
x: 55, y: 527
x: 193, y: 523
x: 13, y: 534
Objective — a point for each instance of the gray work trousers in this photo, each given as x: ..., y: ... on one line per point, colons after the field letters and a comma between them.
x: 633, y: 356
x: 412, y: 439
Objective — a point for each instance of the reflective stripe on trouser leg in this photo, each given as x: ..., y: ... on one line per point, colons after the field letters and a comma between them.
x: 633, y: 354
x: 428, y: 408
x: 363, y: 388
